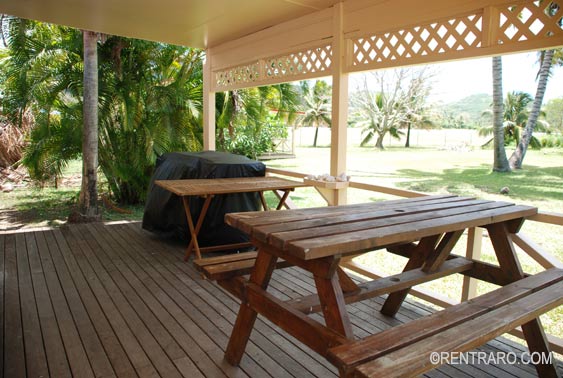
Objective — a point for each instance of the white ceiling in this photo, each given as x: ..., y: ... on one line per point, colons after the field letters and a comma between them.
x: 195, y: 23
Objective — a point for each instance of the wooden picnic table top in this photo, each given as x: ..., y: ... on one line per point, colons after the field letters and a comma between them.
x: 327, y: 231
x: 204, y: 187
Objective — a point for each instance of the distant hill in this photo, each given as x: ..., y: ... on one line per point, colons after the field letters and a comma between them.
x: 470, y: 108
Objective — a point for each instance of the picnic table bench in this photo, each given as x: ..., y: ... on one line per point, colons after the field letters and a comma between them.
x: 424, y: 229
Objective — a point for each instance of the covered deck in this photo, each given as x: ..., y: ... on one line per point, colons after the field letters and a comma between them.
x: 114, y: 301
x: 109, y: 300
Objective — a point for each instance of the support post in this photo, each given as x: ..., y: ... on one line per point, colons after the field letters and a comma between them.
x: 208, y: 104
x: 473, y: 252
x: 339, y: 103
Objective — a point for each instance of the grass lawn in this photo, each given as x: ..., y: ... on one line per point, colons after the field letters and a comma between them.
x: 31, y: 206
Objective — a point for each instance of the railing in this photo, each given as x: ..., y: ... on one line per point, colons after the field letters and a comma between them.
x: 473, y: 251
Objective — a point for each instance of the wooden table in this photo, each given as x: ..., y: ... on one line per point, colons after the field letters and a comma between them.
x: 316, y: 239
x: 209, y: 188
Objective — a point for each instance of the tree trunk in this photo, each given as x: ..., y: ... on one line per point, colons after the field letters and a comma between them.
x: 500, y: 163
x: 316, y: 136
x: 379, y: 142
x: 518, y: 155
x: 408, y: 142
x: 88, y: 202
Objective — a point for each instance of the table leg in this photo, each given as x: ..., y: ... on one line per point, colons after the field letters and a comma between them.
x: 283, y: 199
x: 263, y: 200
x: 418, y: 257
x: 261, y: 274
x: 533, y: 330
x: 194, y: 231
x: 332, y: 302
x: 346, y: 283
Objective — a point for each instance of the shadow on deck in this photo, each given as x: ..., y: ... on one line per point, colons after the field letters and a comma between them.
x: 114, y: 301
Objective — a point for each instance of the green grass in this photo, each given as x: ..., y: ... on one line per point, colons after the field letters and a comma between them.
x: 32, y: 206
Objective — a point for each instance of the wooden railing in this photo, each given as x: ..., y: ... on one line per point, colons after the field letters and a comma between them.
x: 473, y: 251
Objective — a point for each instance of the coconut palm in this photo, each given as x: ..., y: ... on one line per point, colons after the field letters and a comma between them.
x: 516, y: 114
x: 547, y: 59
x: 317, y: 107
x: 500, y: 162
x: 88, y: 200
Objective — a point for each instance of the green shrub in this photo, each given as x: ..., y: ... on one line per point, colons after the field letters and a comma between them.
x: 253, y: 140
x: 551, y: 141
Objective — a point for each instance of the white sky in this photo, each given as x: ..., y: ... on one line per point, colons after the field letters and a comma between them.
x: 456, y: 80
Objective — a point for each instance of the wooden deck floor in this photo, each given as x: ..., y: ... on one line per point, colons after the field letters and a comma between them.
x: 114, y: 301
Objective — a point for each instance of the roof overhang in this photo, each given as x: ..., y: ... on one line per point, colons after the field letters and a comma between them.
x: 195, y: 23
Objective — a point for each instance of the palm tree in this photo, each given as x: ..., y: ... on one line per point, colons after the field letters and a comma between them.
x: 518, y: 155
x: 88, y: 201
x: 516, y: 113
x: 317, y: 107
x: 500, y: 162
x: 150, y: 104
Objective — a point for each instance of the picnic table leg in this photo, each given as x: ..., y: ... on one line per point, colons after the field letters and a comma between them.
x: 194, y: 231
x: 417, y: 259
x: 283, y: 199
x: 261, y: 274
x: 332, y: 300
x: 263, y: 200
x: 346, y: 283
x: 533, y: 330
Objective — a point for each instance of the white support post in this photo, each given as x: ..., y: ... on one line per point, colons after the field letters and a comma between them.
x: 208, y: 105
x: 474, y: 242
x: 339, y: 103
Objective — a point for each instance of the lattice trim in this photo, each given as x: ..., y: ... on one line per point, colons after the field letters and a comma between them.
x: 245, y: 74
x: 313, y: 60
x: 301, y: 64
x: 523, y: 22
x: 431, y: 39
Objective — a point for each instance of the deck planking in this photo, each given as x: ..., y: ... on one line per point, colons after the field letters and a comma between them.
x: 113, y: 301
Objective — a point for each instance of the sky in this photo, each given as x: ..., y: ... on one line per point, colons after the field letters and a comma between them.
x: 456, y: 80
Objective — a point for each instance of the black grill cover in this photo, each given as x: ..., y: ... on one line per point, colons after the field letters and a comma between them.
x: 164, y: 212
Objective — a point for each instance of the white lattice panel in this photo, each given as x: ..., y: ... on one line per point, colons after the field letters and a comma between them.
x: 523, y: 23
x: 531, y: 20
x: 305, y: 62
x: 419, y: 41
x: 237, y: 76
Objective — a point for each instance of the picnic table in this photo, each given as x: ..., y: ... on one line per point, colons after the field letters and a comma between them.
x: 424, y: 229
x: 209, y: 188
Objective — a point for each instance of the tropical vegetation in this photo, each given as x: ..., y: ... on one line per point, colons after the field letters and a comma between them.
x: 516, y: 113
x: 250, y: 120
x: 149, y: 101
